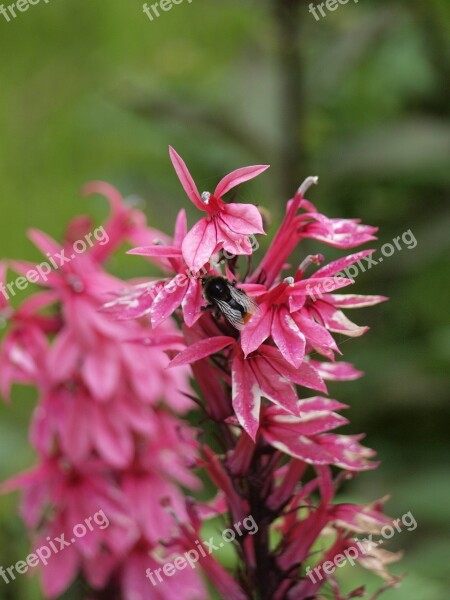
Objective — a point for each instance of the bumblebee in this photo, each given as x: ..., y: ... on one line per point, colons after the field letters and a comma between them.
x: 228, y: 300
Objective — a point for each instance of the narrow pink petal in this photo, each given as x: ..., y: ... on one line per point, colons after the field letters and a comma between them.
x: 134, y: 305
x: 101, y: 372
x: 335, y: 320
x: 237, y: 177
x: 156, y: 250
x: 193, y: 301
x: 257, y: 330
x: 298, y: 446
x: 113, y: 441
x: 288, y: 337
x: 63, y: 357
x: 355, y: 300
x: 60, y: 571
x: 339, y: 265
x: 167, y: 301
x: 242, y: 218
x: 316, y: 334
x: 339, y: 371
x: 274, y: 385
x: 113, y: 196
x: 347, y: 453
x: 199, y: 244
x: 44, y: 242
x: 309, y: 423
x: 3, y: 278
x: 186, y: 179
x: 246, y: 396
x: 201, y: 350
x: 180, y: 229
x: 306, y: 375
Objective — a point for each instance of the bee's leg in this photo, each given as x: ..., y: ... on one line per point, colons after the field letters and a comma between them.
x: 203, y: 308
x: 217, y: 313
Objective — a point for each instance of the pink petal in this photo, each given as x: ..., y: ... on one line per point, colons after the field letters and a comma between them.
x: 339, y: 265
x: 134, y: 305
x: 242, y: 218
x: 274, y: 385
x: 199, y: 244
x: 201, y: 350
x: 288, y: 337
x: 156, y: 250
x: 113, y: 441
x: 335, y: 320
x: 339, y: 371
x: 257, y: 330
x: 305, y: 375
x: 60, y: 570
x: 347, y: 453
x: 186, y: 179
x: 63, y: 357
x: 237, y: 177
x: 319, y: 337
x: 246, y: 396
x: 101, y: 372
x: 355, y: 301
x: 192, y: 302
x: 298, y: 446
x: 180, y: 229
x: 44, y: 242
x: 3, y: 293
x: 167, y: 301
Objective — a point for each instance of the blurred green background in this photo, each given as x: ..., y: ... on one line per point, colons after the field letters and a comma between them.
x: 95, y: 90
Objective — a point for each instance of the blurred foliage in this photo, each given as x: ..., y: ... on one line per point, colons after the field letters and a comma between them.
x: 95, y: 90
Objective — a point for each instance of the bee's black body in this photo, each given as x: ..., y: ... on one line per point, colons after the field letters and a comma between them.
x: 230, y: 301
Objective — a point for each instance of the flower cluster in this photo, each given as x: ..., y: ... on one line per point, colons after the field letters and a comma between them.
x: 103, y: 437
x: 260, y: 353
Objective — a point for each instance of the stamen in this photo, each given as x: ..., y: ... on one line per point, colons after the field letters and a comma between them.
x: 312, y: 259
x: 205, y: 197
x: 309, y: 181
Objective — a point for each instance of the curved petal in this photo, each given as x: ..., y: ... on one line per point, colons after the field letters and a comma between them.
x: 192, y: 302
x: 180, y: 229
x: 288, y: 337
x: 246, y: 396
x: 156, y: 250
x: 242, y: 218
x: 168, y: 300
x: 199, y: 244
x: 257, y: 330
x: 201, y: 350
x: 237, y: 177
x: 44, y: 242
x: 186, y: 179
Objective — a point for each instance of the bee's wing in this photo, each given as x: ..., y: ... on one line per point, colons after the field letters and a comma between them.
x: 232, y: 315
x: 250, y: 305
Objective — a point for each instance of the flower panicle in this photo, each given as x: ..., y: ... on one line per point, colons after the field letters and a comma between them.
x: 112, y: 364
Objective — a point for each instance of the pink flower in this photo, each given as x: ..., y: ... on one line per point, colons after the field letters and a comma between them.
x: 340, y: 233
x: 159, y: 299
x: 226, y: 226
x: 297, y: 320
x: 263, y: 373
